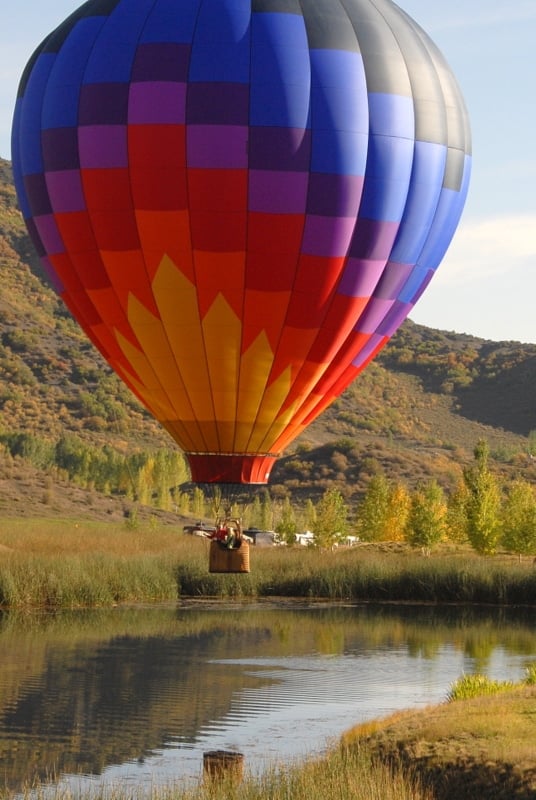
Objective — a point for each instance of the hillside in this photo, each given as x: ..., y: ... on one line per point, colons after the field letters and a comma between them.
x: 416, y: 412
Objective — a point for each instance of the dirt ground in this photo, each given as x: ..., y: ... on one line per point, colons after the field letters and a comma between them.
x: 26, y: 492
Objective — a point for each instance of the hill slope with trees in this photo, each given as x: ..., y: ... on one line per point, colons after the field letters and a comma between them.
x: 416, y: 413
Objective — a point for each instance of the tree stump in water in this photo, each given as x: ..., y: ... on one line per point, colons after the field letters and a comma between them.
x: 220, y: 765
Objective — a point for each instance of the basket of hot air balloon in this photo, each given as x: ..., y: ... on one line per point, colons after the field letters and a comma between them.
x: 229, y: 549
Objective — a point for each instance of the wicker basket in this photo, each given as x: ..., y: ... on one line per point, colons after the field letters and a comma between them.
x: 223, y: 559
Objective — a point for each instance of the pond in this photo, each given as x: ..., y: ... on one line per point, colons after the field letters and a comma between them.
x: 136, y: 695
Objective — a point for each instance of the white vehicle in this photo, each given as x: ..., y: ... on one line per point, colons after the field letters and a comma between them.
x: 306, y: 539
x: 263, y: 538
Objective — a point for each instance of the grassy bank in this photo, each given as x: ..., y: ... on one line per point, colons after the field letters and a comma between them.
x: 65, y: 564
x: 68, y: 564
x: 480, y: 747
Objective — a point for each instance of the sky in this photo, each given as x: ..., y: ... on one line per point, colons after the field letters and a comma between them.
x: 486, y: 284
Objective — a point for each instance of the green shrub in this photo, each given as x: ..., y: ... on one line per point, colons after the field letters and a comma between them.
x: 530, y: 675
x: 476, y: 686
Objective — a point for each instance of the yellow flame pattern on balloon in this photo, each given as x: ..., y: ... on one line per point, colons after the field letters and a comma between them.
x: 193, y: 377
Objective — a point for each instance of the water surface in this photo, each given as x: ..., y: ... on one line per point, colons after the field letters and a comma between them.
x: 136, y: 695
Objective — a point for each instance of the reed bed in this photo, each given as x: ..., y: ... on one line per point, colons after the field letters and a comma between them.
x: 84, y: 564
x: 341, y: 774
x: 84, y: 581
x: 362, y: 574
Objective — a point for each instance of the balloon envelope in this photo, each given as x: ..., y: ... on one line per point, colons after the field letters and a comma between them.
x: 239, y: 201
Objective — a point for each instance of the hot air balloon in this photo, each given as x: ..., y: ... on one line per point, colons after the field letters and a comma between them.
x: 240, y: 201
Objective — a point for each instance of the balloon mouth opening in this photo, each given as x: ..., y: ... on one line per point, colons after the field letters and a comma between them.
x: 235, y: 468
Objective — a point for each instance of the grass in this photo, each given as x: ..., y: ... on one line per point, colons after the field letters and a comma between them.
x: 67, y: 536
x: 481, y: 745
x: 68, y: 564
x: 470, y: 686
x: 343, y: 774
x: 79, y: 581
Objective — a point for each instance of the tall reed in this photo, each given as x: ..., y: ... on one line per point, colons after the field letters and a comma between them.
x: 98, y: 565
x: 72, y: 581
x: 340, y: 775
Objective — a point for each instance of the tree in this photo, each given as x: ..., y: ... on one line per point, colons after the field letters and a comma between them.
x: 266, y: 511
x: 287, y: 527
x: 398, y: 509
x: 373, y: 510
x: 309, y: 515
x: 145, y: 482
x: 483, y: 503
x: 456, y: 521
x: 519, y: 519
x: 427, y: 516
x: 169, y: 469
x: 252, y: 513
x: 331, y: 518
x: 198, y: 502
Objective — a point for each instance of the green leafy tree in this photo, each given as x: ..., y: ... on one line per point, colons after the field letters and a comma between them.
x: 216, y: 503
x: 373, y: 512
x: 145, y: 482
x: 456, y: 521
x: 287, y: 527
x: 483, y: 503
x: 169, y: 470
x: 519, y: 519
x: 260, y: 512
x: 70, y: 455
x: 182, y: 500
x: 252, y: 516
x: 39, y: 452
x: 331, y: 518
x: 198, y: 502
x: 427, y: 516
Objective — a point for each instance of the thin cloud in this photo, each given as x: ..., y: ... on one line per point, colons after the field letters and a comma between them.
x: 486, y: 283
x: 485, y: 248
